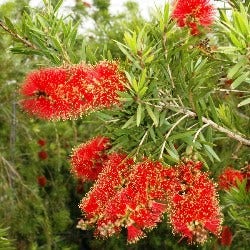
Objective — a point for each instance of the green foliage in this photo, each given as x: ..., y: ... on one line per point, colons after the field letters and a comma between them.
x: 236, y: 202
x: 178, y: 104
x: 5, y: 243
x: 45, y: 34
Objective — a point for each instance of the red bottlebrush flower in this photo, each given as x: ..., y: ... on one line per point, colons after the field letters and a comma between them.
x: 134, y: 204
x: 43, y: 155
x: 229, y: 178
x: 107, y: 80
x: 110, y: 180
x: 41, y: 180
x: 46, y: 93
x: 226, y: 236
x: 193, y: 204
x: 193, y: 13
x: 134, y: 234
x: 41, y: 142
x: 87, y: 159
x: 64, y: 93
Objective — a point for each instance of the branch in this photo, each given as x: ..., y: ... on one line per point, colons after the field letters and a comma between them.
x: 18, y: 37
x: 212, y: 124
x: 217, y: 127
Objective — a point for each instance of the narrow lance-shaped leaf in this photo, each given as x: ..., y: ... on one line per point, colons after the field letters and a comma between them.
x: 138, y: 115
x: 244, y: 102
x: 9, y: 24
x: 236, y: 83
x: 152, y: 115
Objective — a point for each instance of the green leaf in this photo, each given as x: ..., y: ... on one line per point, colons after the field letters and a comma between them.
x: 152, y: 115
x: 9, y: 24
x: 210, y: 150
x: 234, y: 40
x: 235, y: 69
x: 198, y: 111
x: 166, y: 13
x: 58, y: 5
x: 129, y: 122
x: 152, y: 133
x: 56, y: 43
x: 131, y: 41
x: 124, y: 48
x: 244, y: 102
x: 236, y: 83
x: 149, y: 59
x: 138, y: 115
x: 142, y: 79
x: 181, y: 135
x: 213, y: 109
x: 142, y: 92
x: 172, y: 154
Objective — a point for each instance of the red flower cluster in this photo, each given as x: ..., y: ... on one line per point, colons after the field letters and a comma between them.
x: 125, y: 196
x: 193, y: 205
x: 110, y: 180
x: 88, y: 158
x: 139, y: 204
x: 43, y: 155
x: 136, y: 196
x: 193, y: 13
x: 229, y: 178
x: 63, y: 93
x: 226, y: 236
x: 41, y: 142
x: 41, y: 180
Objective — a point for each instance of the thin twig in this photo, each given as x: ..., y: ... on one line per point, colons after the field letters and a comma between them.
x: 141, y: 142
x: 174, y: 125
x: 198, y: 131
x: 232, y: 90
x: 169, y: 133
x: 164, y: 40
x: 162, y: 149
x: 18, y: 37
x: 11, y: 168
x: 170, y: 76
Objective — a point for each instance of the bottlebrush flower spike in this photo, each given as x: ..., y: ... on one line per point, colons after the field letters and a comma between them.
x: 41, y: 180
x: 64, y: 93
x: 109, y: 182
x: 88, y: 158
x: 41, y: 142
x: 107, y: 80
x: 43, y: 155
x: 226, y: 236
x: 193, y: 13
x: 134, y: 234
x: 193, y: 204
x: 134, y: 206
x: 48, y: 94
x: 229, y: 177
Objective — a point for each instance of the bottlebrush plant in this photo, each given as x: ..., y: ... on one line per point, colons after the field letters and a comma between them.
x: 169, y: 122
